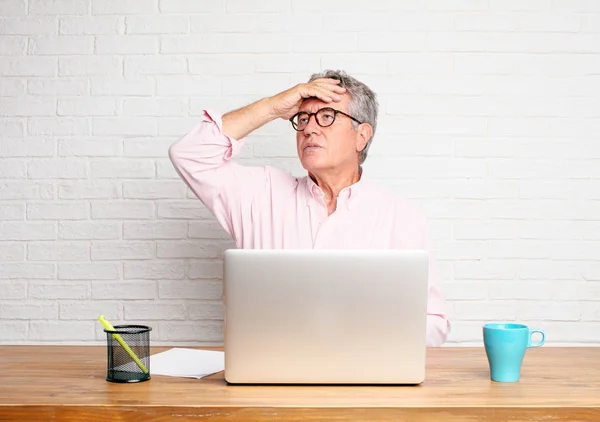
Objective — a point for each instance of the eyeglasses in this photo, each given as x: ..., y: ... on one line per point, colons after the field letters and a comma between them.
x: 324, y: 117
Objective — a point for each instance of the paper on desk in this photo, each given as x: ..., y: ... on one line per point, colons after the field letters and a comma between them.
x: 188, y: 363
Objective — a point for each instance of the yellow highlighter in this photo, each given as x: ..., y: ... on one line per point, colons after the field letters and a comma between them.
x: 125, y: 346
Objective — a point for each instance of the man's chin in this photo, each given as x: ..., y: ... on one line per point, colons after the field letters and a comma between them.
x: 311, y: 164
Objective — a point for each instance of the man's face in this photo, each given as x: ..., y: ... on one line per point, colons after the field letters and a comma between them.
x: 327, y: 148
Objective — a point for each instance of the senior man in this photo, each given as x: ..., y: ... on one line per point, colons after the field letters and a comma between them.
x: 332, y: 207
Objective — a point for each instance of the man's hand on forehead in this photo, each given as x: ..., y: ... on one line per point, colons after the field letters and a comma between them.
x: 287, y: 103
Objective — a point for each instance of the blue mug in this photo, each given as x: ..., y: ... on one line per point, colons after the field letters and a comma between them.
x: 505, y: 346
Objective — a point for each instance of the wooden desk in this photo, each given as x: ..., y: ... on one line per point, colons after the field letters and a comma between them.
x: 57, y: 383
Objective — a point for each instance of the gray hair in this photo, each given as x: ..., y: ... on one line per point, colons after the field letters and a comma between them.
x: 363, y: 102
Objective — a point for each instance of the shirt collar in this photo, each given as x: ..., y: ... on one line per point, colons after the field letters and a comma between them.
x: 348, y: 193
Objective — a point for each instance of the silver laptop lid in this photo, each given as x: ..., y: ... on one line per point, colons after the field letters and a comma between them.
x: 325, y: 316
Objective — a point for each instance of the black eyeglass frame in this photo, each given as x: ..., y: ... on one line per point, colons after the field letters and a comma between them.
x: 335, y: 113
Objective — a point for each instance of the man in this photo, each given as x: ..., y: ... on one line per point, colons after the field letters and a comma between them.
x: 334, y: 116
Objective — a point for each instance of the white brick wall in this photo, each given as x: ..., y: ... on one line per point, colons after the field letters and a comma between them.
x: 490, y: 119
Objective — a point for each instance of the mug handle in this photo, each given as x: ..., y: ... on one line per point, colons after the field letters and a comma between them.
x: 539, y: 343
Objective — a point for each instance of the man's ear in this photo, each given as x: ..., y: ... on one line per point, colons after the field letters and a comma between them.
x: 364, y: 133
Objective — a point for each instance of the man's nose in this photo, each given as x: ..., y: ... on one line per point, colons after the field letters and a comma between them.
x: 311, y: 126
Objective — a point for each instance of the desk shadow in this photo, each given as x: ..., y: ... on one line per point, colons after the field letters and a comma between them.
x: 250, y: 384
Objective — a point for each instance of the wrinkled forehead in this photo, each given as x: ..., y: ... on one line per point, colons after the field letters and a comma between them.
x: 311, y: 105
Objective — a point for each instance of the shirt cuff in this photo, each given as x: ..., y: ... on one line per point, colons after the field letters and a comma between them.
x: 217, y: 118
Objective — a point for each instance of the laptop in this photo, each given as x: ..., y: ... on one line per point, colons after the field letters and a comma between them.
x: 325, y: 316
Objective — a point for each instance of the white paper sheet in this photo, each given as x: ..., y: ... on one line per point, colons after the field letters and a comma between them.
x: 187, y: 363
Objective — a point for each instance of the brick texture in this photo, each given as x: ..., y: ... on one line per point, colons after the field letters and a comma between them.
x: 489, y: 119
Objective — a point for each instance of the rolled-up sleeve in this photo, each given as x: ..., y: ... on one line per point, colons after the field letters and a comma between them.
x: 202, y: 158
x: 438, y: 323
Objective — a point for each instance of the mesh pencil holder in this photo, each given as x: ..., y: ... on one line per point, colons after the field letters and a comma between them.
x: 128, y: 353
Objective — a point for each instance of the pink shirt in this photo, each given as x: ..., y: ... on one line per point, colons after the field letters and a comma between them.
x: 268, y: 208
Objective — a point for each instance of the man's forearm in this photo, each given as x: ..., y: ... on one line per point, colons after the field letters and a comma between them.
x: 240, y: 123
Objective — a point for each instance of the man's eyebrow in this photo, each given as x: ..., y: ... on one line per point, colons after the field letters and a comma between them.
x: 315, y: 108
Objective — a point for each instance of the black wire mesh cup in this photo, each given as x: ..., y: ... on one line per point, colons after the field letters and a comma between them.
x: 128, y: 352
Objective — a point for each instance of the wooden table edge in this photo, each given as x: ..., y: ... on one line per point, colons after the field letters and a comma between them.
x: 182, y: 413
